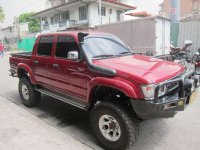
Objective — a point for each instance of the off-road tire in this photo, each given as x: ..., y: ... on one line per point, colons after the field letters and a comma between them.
x: 129, y: 124
x: 34, y: 96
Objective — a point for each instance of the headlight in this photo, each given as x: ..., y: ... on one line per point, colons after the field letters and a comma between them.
x: 149, y: 91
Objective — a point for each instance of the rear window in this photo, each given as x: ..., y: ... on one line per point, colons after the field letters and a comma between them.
x: 45, y: 46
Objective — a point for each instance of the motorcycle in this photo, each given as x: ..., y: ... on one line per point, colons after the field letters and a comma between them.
x: 196, y: 61
x: 180, y: 54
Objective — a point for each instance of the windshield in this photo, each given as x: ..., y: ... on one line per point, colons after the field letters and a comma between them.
x: 104, y: 46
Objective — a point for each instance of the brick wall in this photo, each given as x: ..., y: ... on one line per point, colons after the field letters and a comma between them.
x: 187, y: 7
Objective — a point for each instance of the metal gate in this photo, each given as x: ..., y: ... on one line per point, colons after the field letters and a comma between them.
x: 190, y: 30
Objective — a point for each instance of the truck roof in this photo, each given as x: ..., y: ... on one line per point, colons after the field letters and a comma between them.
x: 73, y: 33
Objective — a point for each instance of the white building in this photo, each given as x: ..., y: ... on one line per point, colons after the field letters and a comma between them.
x: 81, y: 13
x: 10, y: 34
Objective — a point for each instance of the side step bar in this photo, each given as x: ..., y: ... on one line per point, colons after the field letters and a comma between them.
x: 67, y: 99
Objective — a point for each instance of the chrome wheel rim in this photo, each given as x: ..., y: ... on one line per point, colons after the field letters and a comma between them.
x: 25, y: 92
x: 109, y: 128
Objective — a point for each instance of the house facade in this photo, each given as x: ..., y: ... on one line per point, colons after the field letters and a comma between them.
x: 81, y: 13
x: 11, y: 34
x: 8, y: 35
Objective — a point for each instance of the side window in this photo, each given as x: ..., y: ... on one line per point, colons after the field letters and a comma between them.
x: 64, y: 45
x: 119, y: 15
x: 83, y: 13
x: 45, y: 46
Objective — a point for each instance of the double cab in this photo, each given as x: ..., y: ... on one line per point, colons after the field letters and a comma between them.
x: 98, y: 73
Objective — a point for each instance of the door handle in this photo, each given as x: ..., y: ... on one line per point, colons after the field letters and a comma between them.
x: 35, y: 62
x: 55, y: 65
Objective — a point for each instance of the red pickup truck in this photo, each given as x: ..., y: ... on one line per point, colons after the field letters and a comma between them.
x: 97, y: 72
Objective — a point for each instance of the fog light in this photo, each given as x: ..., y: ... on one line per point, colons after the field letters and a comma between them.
x: 180, y: 103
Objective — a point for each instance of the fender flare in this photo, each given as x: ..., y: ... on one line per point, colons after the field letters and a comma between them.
x: 27, y: 69
x: 127, y: 87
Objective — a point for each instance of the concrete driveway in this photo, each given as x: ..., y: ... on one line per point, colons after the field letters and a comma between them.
x: 181, y: 132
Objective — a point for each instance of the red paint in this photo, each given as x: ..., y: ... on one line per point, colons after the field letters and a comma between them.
x: 142, y: 69
x: 28, y: 69
x: 75, y: 79
x: 197, y: 64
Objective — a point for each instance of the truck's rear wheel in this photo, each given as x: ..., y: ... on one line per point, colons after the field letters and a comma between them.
x: 113, y: 126
x: 28, y: 95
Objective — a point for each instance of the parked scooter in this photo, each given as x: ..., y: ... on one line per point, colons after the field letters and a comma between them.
x: 180, y: 54
x: 196, y: 61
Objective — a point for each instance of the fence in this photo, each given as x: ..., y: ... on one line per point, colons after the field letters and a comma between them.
x: 26, y: 44
x: 190, y: 30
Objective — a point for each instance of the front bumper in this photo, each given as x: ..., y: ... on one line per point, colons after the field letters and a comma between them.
x: 168, y: 105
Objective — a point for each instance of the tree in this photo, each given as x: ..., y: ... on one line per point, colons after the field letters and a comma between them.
x: 33, y: 24
x: 2, y: 15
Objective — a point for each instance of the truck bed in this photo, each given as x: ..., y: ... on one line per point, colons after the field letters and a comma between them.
x: 26, y: 55
x: 17, y: 58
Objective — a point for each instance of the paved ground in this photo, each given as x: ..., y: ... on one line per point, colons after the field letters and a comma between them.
x: 58, y: 123
x: 21, y: 130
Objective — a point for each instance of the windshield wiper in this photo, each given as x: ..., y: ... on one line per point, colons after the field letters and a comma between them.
x: 111, y: 55
x: 105, y: 55
x: 125, y: 53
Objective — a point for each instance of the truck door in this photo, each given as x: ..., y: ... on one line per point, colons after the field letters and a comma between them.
x: 68, y: 76
x: 42, y: 60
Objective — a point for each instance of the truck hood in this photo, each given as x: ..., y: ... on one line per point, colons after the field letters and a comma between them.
x: 142, y: 69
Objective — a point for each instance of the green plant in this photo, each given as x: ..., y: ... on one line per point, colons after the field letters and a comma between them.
x: 33, y: 24
x: 2, y: 15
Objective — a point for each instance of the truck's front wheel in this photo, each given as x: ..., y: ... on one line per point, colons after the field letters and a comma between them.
x: 113, y: 126
x: 28, y: 95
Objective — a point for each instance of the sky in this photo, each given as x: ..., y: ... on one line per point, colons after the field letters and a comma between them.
x: 151, y: 6
x: 14, y: 8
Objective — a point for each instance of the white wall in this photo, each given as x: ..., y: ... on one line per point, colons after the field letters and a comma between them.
x: 94, y: 17
x: 162, y: 36
x: 74, y: 13
x: 8, y: 33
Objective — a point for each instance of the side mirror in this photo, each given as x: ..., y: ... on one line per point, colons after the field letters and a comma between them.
x: 72, y: 55
x: 188, y: 43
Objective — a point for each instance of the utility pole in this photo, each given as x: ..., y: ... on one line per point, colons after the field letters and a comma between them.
x: 109, y: 10
x: 100, y: 18
x: 17, y: 28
